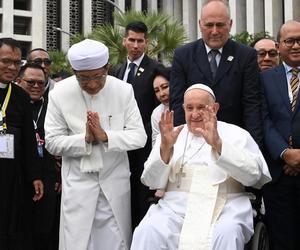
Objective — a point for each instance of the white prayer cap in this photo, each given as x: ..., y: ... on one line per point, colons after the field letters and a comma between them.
x: 88, y: 55
x: 203, y: 87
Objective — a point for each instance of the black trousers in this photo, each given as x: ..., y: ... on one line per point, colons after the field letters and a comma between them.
x: 282, y: 202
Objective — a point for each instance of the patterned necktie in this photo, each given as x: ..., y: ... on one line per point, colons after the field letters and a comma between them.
x: 131, y: 72
x: 294, y: 82
x: 213, y: 62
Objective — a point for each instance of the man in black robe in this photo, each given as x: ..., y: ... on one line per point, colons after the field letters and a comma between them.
x: 18, y: 152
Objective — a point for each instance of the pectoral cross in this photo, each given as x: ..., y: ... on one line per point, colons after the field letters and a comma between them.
x: 179, y: 176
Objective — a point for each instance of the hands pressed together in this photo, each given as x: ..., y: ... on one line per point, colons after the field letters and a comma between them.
x: 94, y: 131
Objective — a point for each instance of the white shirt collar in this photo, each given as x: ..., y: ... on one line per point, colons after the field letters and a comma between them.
x: 3, y: 85
x: 208, y: 49
x: 137, y: 62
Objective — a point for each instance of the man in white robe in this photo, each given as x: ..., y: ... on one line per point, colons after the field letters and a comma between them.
x: 204, y: 166
x: 92, y: 121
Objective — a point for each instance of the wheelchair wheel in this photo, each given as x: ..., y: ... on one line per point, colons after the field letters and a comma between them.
x: 260, y: 239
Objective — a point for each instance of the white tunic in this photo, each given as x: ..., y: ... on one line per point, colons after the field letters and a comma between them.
x: 240, y: 159
x: 92, y: 170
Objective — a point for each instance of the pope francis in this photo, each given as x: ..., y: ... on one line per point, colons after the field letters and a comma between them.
x: 92, y: 121
x: 203, y: 166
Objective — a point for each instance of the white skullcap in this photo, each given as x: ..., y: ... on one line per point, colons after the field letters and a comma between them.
x: 88, y: 55
x: 203, y: 87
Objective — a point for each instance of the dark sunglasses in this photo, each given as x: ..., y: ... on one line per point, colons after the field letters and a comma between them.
x: 33, y: 82
x: 40, y: 61
x: 271, y: 53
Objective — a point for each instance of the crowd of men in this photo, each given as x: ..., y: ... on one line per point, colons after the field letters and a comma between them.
x: 81, y: 159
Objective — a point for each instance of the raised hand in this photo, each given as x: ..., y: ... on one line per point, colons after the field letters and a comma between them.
x: 169, y: 135
x: 209, y: 130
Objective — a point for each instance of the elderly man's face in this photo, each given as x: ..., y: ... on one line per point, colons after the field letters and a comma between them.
x: 215, y: 24
x: 267, y: 54
x: 92, y: 81
x: 33, y: 82
x: 10, y: 63
x: 42, y: 58
x: 195, y: 105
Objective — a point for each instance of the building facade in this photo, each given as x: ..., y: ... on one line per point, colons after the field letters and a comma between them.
x: 49, y: 23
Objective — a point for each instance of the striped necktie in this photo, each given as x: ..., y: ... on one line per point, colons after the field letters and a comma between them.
x: 294, y: 82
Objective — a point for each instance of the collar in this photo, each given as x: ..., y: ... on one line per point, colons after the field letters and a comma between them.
x: 137, y: 62
x: 208, y: 49
x: 3, y: 85
x: 288, y: 68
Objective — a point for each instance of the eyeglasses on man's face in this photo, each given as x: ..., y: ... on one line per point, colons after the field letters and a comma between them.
x: 40, y: 61
x: 291, y: 41
x: 271, y: 53
x: 31, y: 83
x: 85, y: 80
x: 9, y: 62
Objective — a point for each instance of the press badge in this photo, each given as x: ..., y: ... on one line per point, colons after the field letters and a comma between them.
x: 7, y: 146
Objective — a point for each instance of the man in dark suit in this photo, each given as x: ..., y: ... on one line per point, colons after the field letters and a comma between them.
x: 138, y: 70
x: 33, y: 79
x: 282, y: 141
x: 229, y: 68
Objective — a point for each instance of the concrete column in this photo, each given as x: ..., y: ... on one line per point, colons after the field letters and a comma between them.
x: 152, y: 5
x: 255, y: 16
x: 238, y: 15
x: 189, y: 18
x: 87, y: 17
x: 38, y: 24
x: 273, y: 16
x: 120, y: 4
x: 136, y: 5
x: 8, y: 18
x: 199, y: 7
x: 173, y: 8
x: 65, y: 24
x: 292, y: 10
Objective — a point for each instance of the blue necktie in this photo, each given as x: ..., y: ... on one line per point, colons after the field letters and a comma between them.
x: 213, y: 62
x: 131, y: 74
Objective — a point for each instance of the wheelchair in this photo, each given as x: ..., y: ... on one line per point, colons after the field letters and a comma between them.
x: 260, y: 239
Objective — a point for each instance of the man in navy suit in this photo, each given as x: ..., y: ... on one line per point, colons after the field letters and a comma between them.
x: 234, y: 78
x: 282, y: 141
x: 136, y: 42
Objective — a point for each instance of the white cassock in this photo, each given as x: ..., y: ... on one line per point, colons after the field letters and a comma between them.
x: 155, y: 118
x: 95, y: 208
x: 210, y: 209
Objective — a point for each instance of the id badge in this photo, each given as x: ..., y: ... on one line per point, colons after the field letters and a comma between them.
x: 7, y: 146
x: 40, y: 144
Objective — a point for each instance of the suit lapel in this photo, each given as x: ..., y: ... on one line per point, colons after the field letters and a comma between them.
x: 141, y: 69
x: 201, y: 59
x: 281, y: 84
x: 227, y: 60
x: 121, y: 72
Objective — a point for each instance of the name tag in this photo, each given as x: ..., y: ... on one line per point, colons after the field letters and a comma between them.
x: 7, y: 146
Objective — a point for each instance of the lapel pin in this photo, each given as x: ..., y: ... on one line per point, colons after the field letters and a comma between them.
x: 230, y: 58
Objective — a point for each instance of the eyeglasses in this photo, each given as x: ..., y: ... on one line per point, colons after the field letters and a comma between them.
x: 8, y: 62
x: 33, y: 82
x: 291, y: 41
x: 271, y: 53
x: 84, y: 80
x: 40, y: 61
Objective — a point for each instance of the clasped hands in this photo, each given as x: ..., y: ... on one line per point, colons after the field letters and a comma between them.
x: 94, y: 131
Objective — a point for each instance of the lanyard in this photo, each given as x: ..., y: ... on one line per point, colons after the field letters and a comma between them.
x: 3, y: 125
x: 35, y: 122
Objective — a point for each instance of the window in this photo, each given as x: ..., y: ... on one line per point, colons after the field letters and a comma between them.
x: 22, y: 25
x: 22, y: 4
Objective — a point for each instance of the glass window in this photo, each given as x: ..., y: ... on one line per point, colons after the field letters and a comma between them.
x: 22, y: 25
x: 22, y: 4
x: 25, y: 48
